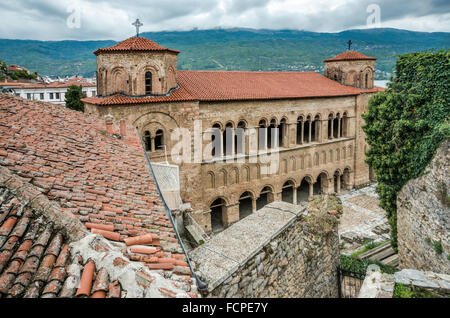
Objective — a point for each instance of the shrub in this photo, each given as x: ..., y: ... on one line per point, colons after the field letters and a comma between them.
x: 407, y: 123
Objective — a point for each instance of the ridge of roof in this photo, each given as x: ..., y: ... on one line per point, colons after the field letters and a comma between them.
x: 240, y: 85
x: 138, y: 44
x: 350, y: 56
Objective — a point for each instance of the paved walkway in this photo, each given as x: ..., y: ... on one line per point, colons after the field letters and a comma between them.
x: 362, y: 220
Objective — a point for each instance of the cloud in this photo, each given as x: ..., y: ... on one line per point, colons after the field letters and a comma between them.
x: 47, y: 19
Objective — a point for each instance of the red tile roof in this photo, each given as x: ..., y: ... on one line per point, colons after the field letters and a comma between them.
x: 58, y: 84
x: 350, y: 56
x: 137, y: 44
x: 228, y: 86
x: 35, y: 256
x: 102, y: 180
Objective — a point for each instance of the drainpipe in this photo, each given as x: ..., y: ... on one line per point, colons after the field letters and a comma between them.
x: 202, y: 287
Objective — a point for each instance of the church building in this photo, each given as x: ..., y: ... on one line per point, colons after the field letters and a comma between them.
x: 312, y: 120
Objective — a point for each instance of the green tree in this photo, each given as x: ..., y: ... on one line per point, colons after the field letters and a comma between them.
x: 73, y: 98
x: 3, y: 70
x: 407, y: 123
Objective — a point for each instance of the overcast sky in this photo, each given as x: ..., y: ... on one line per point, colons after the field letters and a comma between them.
x: 95, y: 20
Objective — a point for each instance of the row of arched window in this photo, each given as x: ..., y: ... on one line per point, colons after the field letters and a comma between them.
x: 235, y: 175
x: 271, y: 135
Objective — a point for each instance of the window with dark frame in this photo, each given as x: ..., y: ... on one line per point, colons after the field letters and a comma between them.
x: 148, y: 83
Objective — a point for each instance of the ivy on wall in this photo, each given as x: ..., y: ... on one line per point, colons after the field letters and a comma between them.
x: 406, y: 124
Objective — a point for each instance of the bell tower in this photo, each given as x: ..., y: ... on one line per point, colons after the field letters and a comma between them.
x: 136, y: 67
x: 352, y: 69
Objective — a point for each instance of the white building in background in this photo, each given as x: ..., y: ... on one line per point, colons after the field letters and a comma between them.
x: 54, y: 92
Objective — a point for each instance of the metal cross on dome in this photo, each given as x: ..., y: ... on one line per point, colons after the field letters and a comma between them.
x: 137, y: 24
x: 349, y: 44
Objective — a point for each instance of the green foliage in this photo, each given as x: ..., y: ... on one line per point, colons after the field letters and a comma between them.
x: 437, y: 245
x: 232, y: 49
x: 360, y: 265
x: 407, y: 123
x: 73, y: 98
x: 3, y: 70
x: 402, y: 291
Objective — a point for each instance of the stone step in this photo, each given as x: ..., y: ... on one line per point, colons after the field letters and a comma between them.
x: 383, y: 254
x: 196, y: 235
x: 374, y: 251
x: 391, y: 260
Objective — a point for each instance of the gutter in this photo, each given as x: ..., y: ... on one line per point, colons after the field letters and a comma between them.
x: 202, y: 287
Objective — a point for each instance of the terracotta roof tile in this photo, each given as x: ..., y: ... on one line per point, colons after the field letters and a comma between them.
x: 350, y: 56
x: 139, y: 44
x: 61, y: 157
x: 230, y: 85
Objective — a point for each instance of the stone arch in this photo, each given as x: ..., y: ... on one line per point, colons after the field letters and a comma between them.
x: 293, y: 164
x: 234, y: 176
x: 246, y: 175
x: 119, y: 81
x: 338, y: 155
x: 367, y: 77
x: 222, y: 180
x: 171, y: 78
x: 324, y: 157
x: 322, y: 183
x: 211, y: 180
x: 316, y: 159
x: 287, y: 191
x: 266, y: 195
x: 246, y: 200
x: 157, y: 85
x: 331, y: 156
x: 218, y: 208
x: 302, y: 162
x: 308, y: 161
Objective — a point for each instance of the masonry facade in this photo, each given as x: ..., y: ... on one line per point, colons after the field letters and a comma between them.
x: 308, y: 124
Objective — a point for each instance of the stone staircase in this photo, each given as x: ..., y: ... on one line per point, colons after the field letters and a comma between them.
x: 195, y: 231
x: 383, y: 253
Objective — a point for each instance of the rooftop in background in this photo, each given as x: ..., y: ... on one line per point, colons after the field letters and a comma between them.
x: 350, y: 56
x: 64, y: 83
x: 237, y: 85
x: 137, y: 44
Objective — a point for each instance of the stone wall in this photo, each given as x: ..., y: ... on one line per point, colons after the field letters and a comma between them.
x: 280, y: 251
x: 424, y: 218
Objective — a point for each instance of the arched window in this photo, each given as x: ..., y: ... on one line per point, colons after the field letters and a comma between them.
x: 239, y: 138
x: 367, y: 80
x: 300, y: 124
x: 148, y: 83
x: 159, y: 139
x: 148, y: 141
x: 216, y: 141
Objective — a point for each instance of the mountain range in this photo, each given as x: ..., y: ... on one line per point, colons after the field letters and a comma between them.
x: 232, y: 49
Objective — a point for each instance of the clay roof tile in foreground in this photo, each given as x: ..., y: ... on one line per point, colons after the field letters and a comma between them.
x: 237, y: 85
x: 103, y: 181
x: 138, y: 44
x: 350, y: 56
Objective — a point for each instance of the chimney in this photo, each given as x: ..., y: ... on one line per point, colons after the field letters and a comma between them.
x: 109, y: 124
x: 123, y: 129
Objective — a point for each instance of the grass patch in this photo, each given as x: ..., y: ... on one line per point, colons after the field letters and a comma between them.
x: 369, y: 245
x: 402, y: 291
x: 354, y: 264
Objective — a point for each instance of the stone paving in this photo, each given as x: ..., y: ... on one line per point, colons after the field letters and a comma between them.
x: 362, y: 219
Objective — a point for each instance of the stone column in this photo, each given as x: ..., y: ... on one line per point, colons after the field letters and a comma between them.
x: 303, y: 133
x: 338, y: 181
x: 339, y: 128
x: 294, y: 196
x: 254, y: 205
x: 311, y: 192
x: 152, y: 144
x: 310, y: 131
x: 332, y: 129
